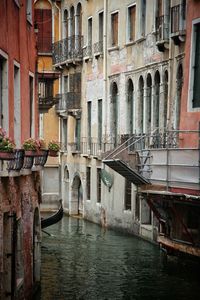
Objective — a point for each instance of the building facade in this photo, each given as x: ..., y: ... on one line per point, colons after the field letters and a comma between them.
x: 125, y: 116
x: 47, y: 18
x: 20, y: 194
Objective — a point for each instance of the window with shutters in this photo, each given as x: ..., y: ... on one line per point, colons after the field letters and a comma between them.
x: 29, y: 12
x: 114, y: 28
x: 31, y: 101
x: 4, y: 93
x: 89, y: 124
x: 131, y: 23
x: 127, y: 198
x: 88, y: 182
x: 196, y: 66
x: 98, y: 185
x: 43, y: 21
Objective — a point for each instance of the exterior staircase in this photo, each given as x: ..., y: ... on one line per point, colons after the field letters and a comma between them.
x: 129, y: 162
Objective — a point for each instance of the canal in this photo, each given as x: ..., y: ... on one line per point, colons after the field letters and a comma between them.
x: 80, y: 260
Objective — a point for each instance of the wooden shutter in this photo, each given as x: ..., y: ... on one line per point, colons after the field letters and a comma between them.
x: 132, y: 13
x: 115, y: 29
x: 43, y: 19
x: 196, y: 88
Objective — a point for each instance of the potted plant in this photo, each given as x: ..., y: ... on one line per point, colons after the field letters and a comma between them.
x: 30, y: 146
x: 7, y: 146
x: 53, y: 147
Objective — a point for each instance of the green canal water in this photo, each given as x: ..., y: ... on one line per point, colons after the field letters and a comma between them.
x: 80, y: 260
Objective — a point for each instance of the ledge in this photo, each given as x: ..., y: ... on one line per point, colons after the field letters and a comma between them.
x: 114, y: 48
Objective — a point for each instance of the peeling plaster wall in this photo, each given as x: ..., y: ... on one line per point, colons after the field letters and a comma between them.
x: 20, y: 196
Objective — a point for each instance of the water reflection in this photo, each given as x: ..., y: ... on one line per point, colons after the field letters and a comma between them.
x: 80, y: 260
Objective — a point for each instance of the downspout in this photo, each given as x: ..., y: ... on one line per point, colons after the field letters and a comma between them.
x: 105, y: 65
x: 59, y: 129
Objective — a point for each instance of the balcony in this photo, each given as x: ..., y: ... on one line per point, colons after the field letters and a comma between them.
x: 68, y: 51
x: 178, y: 24
x: 87, y: 52
x: 67, y: 103
x: 45, y: 103
x: 162, y: 33
x: 98, y: 49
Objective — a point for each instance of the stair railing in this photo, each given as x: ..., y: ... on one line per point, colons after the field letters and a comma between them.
x: 122, y: 147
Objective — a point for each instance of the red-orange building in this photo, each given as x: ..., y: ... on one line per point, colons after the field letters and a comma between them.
x: 19, y: 178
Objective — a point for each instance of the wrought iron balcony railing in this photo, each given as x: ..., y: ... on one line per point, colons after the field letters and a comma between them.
x: 67, y: 49
x: 87, y: 51
x: 45, y: 103
x: 162, y: 28
x: 98, y: 47
x: 67, y: 101
x: 177, y: 18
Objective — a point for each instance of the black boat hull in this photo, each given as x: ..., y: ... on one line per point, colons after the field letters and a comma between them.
x: 53, y: 219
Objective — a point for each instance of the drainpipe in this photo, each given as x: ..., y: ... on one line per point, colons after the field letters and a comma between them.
x: 59, y: 129
x: 105, y: 64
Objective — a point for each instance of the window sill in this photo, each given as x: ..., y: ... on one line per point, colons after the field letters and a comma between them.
x: 135, y: 42
x: 114, y: 48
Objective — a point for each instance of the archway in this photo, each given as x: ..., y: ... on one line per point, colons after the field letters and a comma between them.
x: 77, y: 197
x: 66, y: 188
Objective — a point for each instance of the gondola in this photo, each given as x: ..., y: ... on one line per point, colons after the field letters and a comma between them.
x: 52, y: 219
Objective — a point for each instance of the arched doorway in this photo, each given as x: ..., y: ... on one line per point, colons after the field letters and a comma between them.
x: 36, y: 246
x: 76, y: 206
x: 114, y: 113
x: 130, y: 106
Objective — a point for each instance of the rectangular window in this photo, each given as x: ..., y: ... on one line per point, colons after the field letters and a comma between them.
x: 90, y: 31
x: 66, y: 84
x: 89, y: 124
x: 64, y: 135
x: 127, y: 198
x: 143, y: 18
x: 99, y: 124
x: 101, y: 26
x: 98, y: 185
x: 29, y: 11
x: 196, y: 66
x: 78, y: 135
x: 43, y: 20
x: 131, y: 22
x: 114, y: 28
x: 45, y: 89
x: 88, y: 179
x: 4, y: 116
x: 145, y: 213
x: 31, y: 106
x: 17, y: 107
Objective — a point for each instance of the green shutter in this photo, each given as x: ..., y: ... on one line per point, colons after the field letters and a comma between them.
x: 196, y: 87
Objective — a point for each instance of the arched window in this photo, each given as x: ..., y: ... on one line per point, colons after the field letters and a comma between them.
x: 148, y: 103
x: 72, y: 22
x: 130, y: 106
x: 165, y: 98
x: 140, y: 104
x: 114, y: 113
x: 79, y: 19
x: 65, y: 24
x: 156, y: 108
x: 179, y: 84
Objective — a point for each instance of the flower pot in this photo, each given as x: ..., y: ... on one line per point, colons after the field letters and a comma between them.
x: 6, y: 155
x: 53, y: 153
